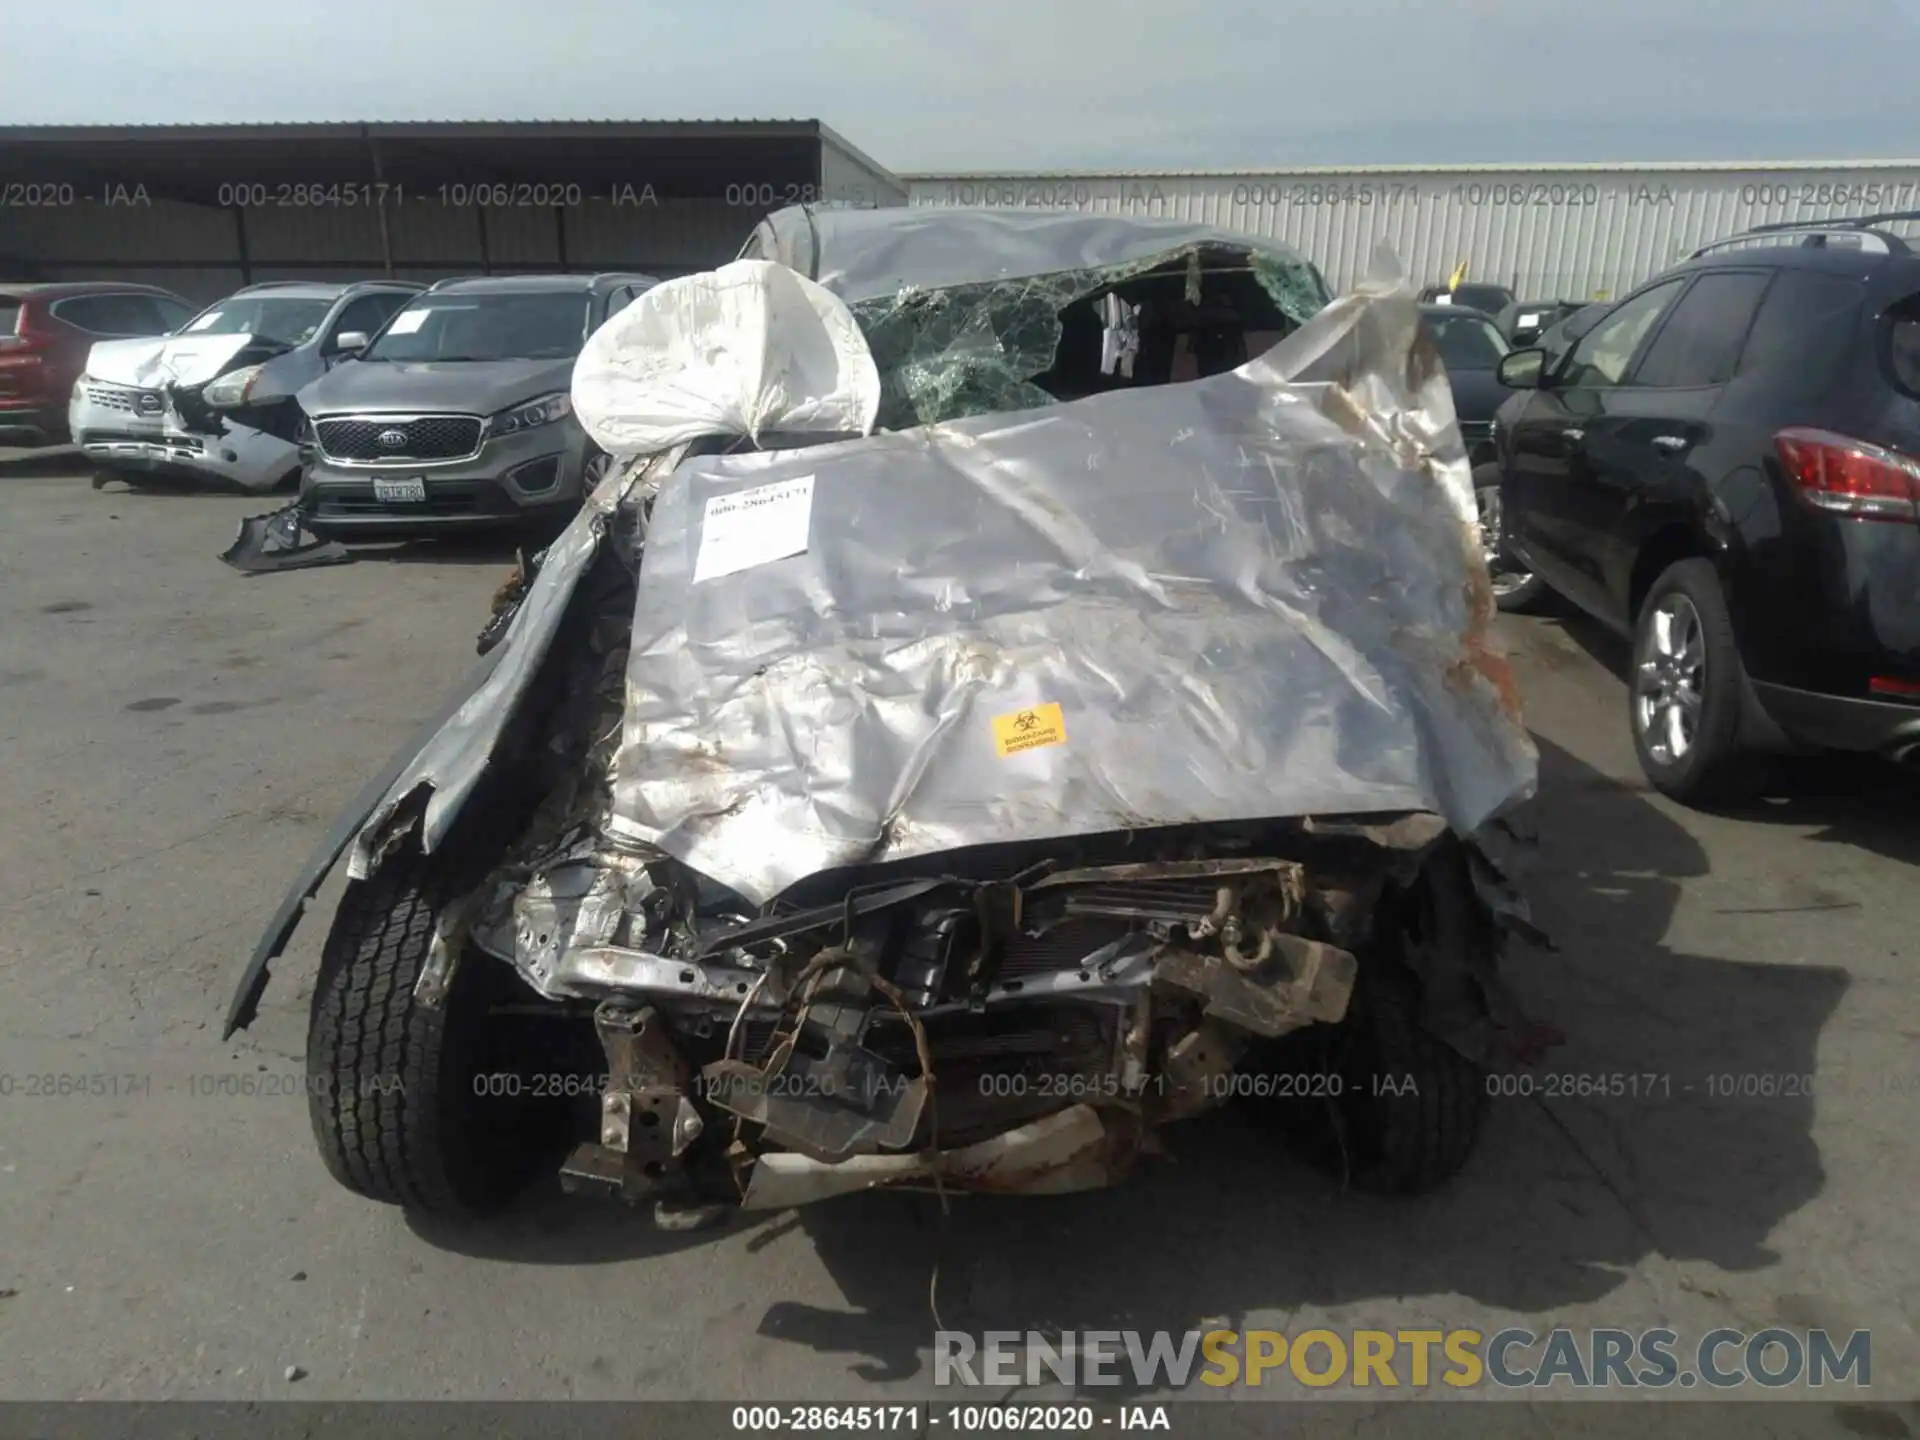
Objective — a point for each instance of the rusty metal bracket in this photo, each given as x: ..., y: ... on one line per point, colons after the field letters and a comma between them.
x: 1303, y: 982
x: 648, y: 1119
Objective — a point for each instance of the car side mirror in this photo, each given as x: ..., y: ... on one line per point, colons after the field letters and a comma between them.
x: 348, y: 341
x: 1521, y: 369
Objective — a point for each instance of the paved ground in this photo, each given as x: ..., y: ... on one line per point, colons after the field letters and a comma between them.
x: 178, y: 737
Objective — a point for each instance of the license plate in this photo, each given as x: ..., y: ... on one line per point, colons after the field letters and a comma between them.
x: 392, y: 492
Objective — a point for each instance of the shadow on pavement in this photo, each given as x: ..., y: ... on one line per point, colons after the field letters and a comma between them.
x: 1566, y: 1194
x: 168, y: 488
x: 1563, y: 1198
x: 1612, y: 652
x: 47, y: 460
x: 497, y: 548
x: 548, y: 1227
x: 1857, y: 800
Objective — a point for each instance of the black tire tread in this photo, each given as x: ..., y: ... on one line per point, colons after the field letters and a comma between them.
x: 1426, y: 1135
x: 380, y: 1066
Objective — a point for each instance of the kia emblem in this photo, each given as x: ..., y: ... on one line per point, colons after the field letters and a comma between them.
x: 391, y: 439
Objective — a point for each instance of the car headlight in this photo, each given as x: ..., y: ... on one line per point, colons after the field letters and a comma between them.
x: 532, y: 415
x: 231, y: 388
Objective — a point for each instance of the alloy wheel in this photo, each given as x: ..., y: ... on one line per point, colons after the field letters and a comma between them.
x: 1505, y: 575
x: 1670, y: 674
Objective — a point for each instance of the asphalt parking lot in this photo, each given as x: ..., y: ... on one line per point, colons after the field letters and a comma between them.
x: 178, y: 738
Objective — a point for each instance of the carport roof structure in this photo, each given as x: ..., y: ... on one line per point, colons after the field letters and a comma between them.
x: 683, y: 158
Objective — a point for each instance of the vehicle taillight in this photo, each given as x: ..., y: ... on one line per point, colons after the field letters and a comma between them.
x: 28, y: 335
x: 1850, y: 477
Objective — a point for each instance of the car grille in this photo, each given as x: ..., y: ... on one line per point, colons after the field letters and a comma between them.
x: 435, y: 504
x: 427, y: 437
x: 122, y: 397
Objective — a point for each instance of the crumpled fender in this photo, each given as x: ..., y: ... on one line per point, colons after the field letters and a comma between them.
x: 447, y: 755
x: 253, y: 980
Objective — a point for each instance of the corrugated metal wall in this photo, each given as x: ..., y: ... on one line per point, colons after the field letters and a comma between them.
x: 850, y: 180
x: 198, y: 251
x: 1569, y: 232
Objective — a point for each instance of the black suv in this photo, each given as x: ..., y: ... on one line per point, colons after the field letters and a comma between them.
x: 1725, y: 466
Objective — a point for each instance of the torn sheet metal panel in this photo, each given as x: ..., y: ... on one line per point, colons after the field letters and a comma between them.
x: 866, y: 254
x: 1234, y: 599
x: 450, y: 764
x: 747, y: 349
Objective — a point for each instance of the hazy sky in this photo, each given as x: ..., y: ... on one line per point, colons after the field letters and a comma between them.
x: 1032, y: 84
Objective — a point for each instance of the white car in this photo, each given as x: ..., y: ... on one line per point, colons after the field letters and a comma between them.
x: 147, y: 408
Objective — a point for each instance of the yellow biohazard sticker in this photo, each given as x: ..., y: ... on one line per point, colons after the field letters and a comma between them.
x: 1029, y: 729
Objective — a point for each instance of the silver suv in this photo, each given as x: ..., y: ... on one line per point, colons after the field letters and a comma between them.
x: 458, y: 415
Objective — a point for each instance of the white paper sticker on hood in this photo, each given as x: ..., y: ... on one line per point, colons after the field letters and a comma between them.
x: 205, y: 322
x: 753, y: 527
x: 408, y: 321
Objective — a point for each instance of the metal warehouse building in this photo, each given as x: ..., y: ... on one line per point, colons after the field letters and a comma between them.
x: 1574, y: 232
x: 203, y: 209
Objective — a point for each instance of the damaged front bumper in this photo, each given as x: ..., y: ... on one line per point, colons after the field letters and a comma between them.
x: 1032, y: 1036
x: 237, y: 459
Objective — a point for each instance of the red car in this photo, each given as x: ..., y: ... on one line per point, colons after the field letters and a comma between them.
x: 46, y: 331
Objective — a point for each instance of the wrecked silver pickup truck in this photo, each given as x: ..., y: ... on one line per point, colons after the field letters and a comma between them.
x: 1028, y: 673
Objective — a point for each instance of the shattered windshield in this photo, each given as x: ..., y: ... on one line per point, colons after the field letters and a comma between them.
x: 496, y: 325
x: 281, y: 319
x: 1017, y: 344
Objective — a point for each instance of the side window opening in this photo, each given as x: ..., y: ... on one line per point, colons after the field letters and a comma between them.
x: 1806, y: 324
x: 618, y: 300
x: 1603, y: 356
x: 1701, y: 340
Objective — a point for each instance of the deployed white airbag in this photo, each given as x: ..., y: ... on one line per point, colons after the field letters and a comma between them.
x: 749, y: 349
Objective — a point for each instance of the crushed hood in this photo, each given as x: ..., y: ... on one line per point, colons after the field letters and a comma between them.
x: 1253, y: 596
x: 163, y: 360
x: 749, y: 349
